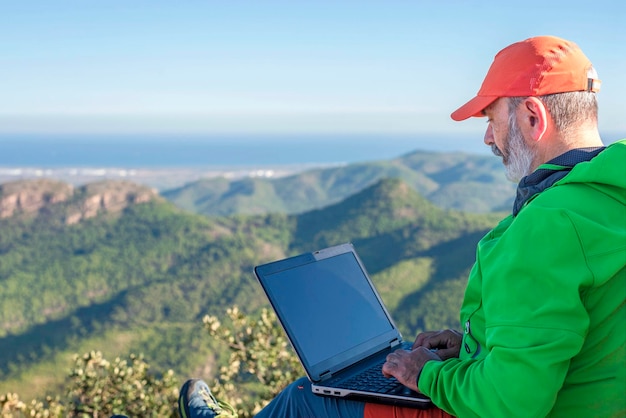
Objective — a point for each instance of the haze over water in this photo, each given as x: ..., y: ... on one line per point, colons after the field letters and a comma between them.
x: 195, y: 151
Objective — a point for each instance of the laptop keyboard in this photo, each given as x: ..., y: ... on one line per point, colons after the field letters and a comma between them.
x: 372, y: 380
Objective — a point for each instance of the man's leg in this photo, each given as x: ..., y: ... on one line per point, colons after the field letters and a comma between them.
x: 297, y: 400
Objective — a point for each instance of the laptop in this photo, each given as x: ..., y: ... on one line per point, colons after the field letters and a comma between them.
x: 337, y: 324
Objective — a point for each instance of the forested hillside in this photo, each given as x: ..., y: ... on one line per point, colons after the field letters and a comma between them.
x: 470, y: 183
x: 139, y: 278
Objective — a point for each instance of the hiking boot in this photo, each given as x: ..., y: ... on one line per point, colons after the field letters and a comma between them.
x: 196, y: 400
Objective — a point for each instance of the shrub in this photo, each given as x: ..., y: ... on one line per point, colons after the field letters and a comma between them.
x: 260, y: 365
x: 261, y: 361
x: 99, y: 388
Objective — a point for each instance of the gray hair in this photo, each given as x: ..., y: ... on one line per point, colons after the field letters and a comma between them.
x: 568, y: 110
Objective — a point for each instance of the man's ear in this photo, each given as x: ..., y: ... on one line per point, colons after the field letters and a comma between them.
x: 534, y: 118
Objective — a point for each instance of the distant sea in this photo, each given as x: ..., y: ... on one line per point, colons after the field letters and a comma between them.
x: 168, y: 162
x: 133, y: 151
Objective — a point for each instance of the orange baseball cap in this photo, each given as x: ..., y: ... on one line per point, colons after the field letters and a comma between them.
x: 533, y: 67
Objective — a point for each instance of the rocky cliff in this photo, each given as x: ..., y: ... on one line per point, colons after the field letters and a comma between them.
x: 32, y: 196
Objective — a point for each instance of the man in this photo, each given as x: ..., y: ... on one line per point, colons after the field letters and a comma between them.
x: 544, y: 317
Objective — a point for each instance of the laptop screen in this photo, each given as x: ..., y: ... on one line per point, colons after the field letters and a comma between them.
x: 327, y: 306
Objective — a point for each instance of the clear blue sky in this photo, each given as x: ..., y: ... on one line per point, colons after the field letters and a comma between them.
x: 262, y: 66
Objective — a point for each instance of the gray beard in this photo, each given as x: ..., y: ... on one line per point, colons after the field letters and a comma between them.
x: 519, y: 157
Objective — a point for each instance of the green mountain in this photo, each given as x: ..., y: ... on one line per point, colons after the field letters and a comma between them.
x: 129, y: 277
x: 470, y: 183
x: 114, y: 267
x: 416, y: 252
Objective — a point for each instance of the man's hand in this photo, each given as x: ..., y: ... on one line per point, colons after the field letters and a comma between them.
x: 407, y: 365
x: 447, y: 342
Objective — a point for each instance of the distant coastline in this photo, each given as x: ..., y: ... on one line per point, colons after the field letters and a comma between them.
x: 166, y: 162
x: 160, y: 178
x: 185, y: 151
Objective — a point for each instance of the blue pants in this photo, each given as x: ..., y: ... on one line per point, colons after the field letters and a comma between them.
x: 297, y: 400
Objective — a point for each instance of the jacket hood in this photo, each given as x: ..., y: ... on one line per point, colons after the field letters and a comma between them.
x: 605, y: 172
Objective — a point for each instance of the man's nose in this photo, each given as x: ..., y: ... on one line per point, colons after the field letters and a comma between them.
x: 489, y: 141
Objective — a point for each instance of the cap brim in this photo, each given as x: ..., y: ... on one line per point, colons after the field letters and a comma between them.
x: 473, y: 108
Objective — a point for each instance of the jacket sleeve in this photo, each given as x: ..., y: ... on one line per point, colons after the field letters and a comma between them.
x: 535, y: 322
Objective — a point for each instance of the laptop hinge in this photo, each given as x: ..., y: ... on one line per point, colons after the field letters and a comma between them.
x: 325, y: 375
x: 394, y: 342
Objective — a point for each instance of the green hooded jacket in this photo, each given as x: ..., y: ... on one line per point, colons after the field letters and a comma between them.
x: 544, y: 312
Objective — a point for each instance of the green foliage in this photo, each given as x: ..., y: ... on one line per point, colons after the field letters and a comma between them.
x: 97, y: 387
x: 471, y: 183
x: 143, y: 279
x: 171, y: 346
x: 260, y: 365
x: 151, y: 265
x: 403, y: 278
x: 387, y: 206
x: 261, y: 361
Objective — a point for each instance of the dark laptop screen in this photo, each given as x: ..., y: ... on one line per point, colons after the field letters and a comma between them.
x: 327, y: 306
